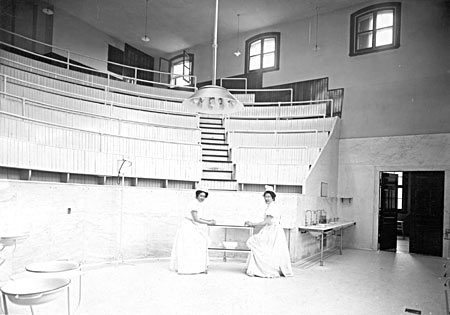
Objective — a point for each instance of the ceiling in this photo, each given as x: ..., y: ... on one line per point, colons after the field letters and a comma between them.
x: 173, y: 25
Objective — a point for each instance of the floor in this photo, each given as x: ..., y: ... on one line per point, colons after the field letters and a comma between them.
x: 358, y: 282
x: 403, y: 244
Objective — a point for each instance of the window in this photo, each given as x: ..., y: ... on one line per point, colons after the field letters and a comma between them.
x: 262, y: 52
x: 182, y: 69
x: 400, y: 205
x: 375, y: 28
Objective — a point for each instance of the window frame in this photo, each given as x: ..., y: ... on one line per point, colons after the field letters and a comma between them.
x: 261, y: 37
x: 180, y: 59
x: 374, y: 9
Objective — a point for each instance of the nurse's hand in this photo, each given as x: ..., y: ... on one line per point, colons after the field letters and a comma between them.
x: 248, y: 223
x: 212, y: 222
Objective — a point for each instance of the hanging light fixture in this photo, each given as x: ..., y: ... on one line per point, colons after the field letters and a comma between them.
x: 316, y: 47
x: 213, y: 99
x: 47, y: 10
x: 145, y: 38
x: 237, y: 53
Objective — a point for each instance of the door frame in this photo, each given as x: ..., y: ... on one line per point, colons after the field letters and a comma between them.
x: 400, y: 168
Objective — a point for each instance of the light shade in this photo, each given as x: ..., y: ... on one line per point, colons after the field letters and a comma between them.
x: 145, y: 38
x: 213, y: 99
x: 47, y: 11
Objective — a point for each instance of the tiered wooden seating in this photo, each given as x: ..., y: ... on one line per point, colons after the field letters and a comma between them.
x: 277, y: 144
x: 67, y: 125
x: 36, y: 145
x: 94, y: 92
x: 97, y: 123
x: 103, y: 79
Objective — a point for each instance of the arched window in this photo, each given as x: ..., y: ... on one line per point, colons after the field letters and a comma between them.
x: 181, y: 67
x: 262, y: 52
x: 375, y: 28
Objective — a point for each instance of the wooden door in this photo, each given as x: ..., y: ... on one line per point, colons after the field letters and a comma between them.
x: 136, y: 58
x: 387, y: 217
x: 427, y: 213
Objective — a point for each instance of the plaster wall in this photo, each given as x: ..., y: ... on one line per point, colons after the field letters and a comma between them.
x: 361, y: 161
x: 108, y: 223
x: 395, y: 92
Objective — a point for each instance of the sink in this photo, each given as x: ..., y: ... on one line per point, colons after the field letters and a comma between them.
x: 34, y: 291
x: 315, y: 233
x: 10, y: 239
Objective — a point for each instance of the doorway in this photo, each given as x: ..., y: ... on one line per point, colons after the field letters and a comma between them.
x: 411, y: 212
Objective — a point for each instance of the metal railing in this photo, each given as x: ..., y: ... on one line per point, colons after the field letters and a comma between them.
x: 111, y: 77
x: 71, y: 62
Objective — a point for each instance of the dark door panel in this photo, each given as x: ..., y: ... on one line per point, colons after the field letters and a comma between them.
x: 387, y: 218
x: 427, y: 213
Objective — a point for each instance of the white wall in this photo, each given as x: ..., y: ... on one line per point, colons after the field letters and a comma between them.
x: 396, y: 92
x: 70, y: 33
x: 92, y: 232
x: 361, y: 161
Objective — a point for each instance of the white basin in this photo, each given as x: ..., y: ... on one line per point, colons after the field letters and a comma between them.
x: 53, y: 266
x: 10, y: 239
x: 34, y: 291
x: 230, y: 245
x: 315, y: 233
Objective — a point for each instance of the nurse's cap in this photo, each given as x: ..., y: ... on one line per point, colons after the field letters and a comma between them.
x: 202, y: 189
x: 269, y: 189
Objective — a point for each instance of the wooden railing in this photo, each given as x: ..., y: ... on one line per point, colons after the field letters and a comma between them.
x: 279, y: 124
x: 291, y: 138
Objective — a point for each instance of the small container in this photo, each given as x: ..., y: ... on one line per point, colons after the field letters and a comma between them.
x: 322, y: 219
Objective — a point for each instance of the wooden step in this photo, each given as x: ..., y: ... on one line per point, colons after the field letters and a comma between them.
x: 215, y: 146
x: 213, y: 141
x: 210, y: 136
x: 217, y: 175
x: 210, y: 126
x: 218, y: 166
x: 213, y: 131
x: 214, y: 158
x: 207, y: 152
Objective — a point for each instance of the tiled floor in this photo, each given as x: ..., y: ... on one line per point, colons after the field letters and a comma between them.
x: 358, y: 282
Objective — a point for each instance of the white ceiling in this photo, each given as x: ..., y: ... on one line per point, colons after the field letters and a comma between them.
x: 174, y: 25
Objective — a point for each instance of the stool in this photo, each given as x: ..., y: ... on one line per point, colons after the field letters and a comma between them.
x: 61, y: 267
x: 400, y: 228
x: 34, y: 291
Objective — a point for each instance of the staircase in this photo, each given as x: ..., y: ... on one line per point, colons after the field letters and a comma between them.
x: 217, y: 173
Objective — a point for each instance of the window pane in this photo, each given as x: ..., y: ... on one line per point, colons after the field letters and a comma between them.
x: 255, y: 48
x: 364, y: 41
x: 365, y: 23
x: 400, y: 178
x: 384, y: 37
x: 269, y: 45
x: 399, y: 198
x: 178, y: 78
x: 269, y: 60
x: 385, y: 18
x: 255, y: 63
x: 178, y: 68
x: 180, y: 82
